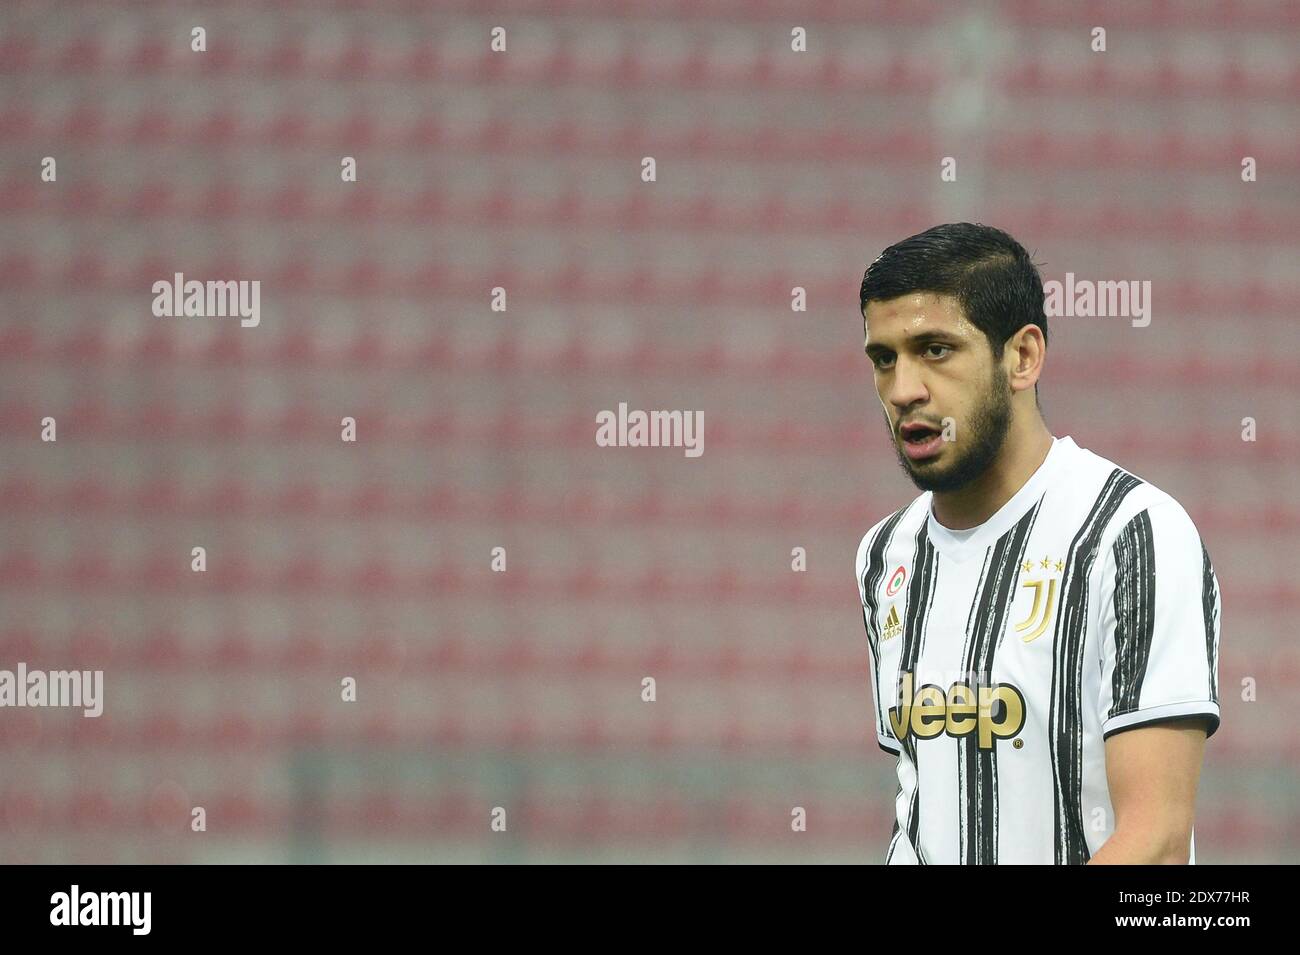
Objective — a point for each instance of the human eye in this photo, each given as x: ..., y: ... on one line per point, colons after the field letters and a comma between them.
x: 946, y: 349
x: 884, y: 361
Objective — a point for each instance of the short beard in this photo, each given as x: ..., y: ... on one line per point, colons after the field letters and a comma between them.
x: 986, y: 432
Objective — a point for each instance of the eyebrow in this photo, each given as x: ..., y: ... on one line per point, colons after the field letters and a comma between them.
x: 920, y: 338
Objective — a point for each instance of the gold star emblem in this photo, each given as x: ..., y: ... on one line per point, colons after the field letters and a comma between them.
x: 1028, y: 566
x: 1060, y: 565
x: 1046, y: 563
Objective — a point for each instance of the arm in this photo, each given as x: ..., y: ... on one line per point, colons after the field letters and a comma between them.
x: 1158, y: 700
x: 870, y: 567
x: 1152, y: 772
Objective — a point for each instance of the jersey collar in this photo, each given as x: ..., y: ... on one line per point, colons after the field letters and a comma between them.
x: 962, y: 548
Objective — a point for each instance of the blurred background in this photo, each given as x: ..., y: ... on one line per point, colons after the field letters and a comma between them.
x: 475, y: 427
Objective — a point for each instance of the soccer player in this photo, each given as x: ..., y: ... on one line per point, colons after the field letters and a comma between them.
x: 1043, y: 625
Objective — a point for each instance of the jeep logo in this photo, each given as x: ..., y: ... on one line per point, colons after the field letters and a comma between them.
x: 992, y: 712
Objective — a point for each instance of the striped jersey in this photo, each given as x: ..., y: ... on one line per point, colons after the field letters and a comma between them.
x: 1003, y: 656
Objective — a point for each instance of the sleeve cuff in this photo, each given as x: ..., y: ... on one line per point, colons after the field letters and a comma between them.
x: 1204, y: 709
x: 890, y: 750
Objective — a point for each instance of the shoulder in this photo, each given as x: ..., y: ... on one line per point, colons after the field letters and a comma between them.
x: 906, y: 519
x: 1139, y: 500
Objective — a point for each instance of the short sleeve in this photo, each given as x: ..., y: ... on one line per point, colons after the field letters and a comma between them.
x: 1159, y: 624
x: 870, y: 570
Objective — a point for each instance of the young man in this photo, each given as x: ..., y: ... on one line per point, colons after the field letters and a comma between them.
x: 1043, y: 626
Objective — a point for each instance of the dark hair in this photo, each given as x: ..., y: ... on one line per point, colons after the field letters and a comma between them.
x: 989, y: 273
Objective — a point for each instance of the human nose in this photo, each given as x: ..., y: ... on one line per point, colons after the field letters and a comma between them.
x: 906, y: 386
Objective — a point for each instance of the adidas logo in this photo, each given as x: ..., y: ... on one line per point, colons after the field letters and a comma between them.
x: 892, y: 625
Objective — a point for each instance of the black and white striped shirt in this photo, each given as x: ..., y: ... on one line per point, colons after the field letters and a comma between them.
x: 1002, y: 659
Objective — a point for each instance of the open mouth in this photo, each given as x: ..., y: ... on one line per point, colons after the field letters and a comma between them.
x: 918, y: 434
x: 921, y: 442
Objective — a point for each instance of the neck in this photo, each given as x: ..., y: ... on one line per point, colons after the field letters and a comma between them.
x: 1023, y: 452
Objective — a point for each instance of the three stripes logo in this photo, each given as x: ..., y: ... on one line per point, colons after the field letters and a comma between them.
x: 893, y: 626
